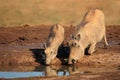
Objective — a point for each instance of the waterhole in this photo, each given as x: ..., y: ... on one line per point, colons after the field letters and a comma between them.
x: 10, y: 72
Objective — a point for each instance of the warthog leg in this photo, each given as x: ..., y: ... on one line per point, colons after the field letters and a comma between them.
x: 92, y: 48
x: 105, y: 41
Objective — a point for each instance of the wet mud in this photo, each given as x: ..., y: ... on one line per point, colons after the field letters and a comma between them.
x: 24, y: 46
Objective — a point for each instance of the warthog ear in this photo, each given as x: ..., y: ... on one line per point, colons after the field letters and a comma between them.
x: 44, y: 45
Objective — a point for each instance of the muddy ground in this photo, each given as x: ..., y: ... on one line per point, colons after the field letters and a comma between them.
x: 23, y: 45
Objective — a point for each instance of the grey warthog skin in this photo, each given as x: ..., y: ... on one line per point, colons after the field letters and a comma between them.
x: 55, y: 39
x: 87, y: 34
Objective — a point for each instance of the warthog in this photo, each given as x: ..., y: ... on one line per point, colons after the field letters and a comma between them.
x: 87, y: 34
x: 55, y: 39
x: 50, y: 71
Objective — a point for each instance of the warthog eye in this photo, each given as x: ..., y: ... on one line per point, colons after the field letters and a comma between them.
x: 75, y: 38
x: 51, y: 52
x: 78, y: 37
x: 75, y: 44
x: 72, y: 45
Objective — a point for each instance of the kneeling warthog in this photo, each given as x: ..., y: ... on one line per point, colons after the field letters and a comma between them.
x: 55, y: 39
x: 87, y: 34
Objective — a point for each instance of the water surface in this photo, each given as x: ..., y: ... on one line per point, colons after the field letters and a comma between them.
x: 45, y: 71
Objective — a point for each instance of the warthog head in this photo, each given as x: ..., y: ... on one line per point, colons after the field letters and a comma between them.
x: 50, y: 54
x: 76, y: 49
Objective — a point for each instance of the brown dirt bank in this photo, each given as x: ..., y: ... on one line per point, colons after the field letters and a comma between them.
x: 24, y: 46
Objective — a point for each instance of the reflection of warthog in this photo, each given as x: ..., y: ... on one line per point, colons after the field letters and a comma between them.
x: 90, y: 31
x: 55, y: 39
x: 53, y: 70
x: 49, y: 71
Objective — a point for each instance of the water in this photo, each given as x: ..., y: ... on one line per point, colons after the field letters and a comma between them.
x: 9, y: 75
x: 20, y: 74
x: 45, y: 71
x: 32, y: 71
x: 10, y: 72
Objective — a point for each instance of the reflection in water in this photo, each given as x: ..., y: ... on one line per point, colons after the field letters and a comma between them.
x: 50, y: 71
x: 32, y: 71
x: 20, y: 74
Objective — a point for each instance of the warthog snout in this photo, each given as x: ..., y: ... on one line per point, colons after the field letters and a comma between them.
x: 72, y: 61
